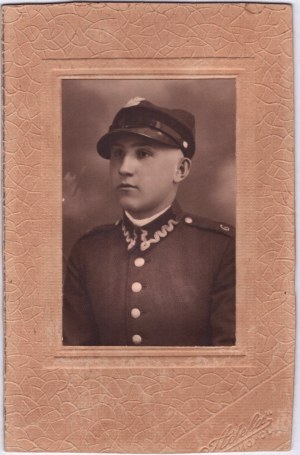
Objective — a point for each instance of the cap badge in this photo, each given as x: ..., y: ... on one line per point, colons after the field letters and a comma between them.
x: 134, y: 101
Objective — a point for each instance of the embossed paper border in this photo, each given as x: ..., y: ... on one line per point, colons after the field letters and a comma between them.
x: 149, y: 400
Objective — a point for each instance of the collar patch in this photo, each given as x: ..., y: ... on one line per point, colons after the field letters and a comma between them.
x: 145, y: 242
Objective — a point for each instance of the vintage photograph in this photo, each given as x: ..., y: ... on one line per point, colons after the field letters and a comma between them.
x: 149, y: 212
x: 149, y: 227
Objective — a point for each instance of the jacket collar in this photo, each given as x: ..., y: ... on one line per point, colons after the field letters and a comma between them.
x: 148, y: 235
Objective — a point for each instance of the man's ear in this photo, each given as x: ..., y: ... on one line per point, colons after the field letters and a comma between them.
x: 182, y: 170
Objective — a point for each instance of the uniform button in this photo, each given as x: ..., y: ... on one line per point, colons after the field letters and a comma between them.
x: 139, y: 262
x: 135, y: 313
x: 136, y: 287
x: 188, y: 219
x: 137, y: 339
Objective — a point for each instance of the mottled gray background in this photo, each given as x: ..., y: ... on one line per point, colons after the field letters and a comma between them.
x: 88, y: 107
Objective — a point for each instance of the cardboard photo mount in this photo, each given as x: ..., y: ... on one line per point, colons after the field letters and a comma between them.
x: 136, y: 399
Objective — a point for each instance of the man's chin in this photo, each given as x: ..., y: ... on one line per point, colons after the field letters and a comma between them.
x: 128, y: 204
x: 134, y: 209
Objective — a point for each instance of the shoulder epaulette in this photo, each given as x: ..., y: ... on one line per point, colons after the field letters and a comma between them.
x: 209, y: 225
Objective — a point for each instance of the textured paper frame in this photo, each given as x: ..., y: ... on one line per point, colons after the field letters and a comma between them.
x: 149, y: 399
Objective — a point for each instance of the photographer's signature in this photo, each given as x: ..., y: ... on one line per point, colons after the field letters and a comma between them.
x: 242, y: 436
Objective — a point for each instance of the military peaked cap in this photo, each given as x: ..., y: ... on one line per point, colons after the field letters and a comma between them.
x: 173, y: 127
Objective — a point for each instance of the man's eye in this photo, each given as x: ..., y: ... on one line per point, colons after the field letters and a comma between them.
x: 144, y: 153
x: 116, y: 152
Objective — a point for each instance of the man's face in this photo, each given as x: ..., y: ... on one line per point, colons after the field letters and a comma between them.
x: 144, y: 174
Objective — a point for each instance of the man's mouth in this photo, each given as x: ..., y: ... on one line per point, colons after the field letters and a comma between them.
x: 126, y: 186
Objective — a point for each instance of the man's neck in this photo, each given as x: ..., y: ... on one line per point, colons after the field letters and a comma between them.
x: 145, y: 221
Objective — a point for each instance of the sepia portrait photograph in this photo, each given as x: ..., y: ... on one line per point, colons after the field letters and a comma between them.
x: 149, y: 212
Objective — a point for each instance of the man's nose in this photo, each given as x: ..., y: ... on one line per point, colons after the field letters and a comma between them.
x: 127, y: 165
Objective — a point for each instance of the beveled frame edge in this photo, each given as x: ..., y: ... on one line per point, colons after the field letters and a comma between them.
x: 55, y: 71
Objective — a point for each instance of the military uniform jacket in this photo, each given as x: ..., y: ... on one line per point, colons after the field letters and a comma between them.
x: 169, y: 283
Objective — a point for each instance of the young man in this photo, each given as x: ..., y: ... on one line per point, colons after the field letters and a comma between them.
x: 158, y: 276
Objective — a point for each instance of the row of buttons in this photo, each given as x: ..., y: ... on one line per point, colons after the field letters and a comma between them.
x: 135, y: 312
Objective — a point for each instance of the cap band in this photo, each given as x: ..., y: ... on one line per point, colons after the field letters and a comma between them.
x: 159, y: 126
